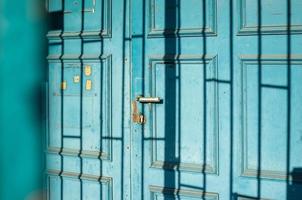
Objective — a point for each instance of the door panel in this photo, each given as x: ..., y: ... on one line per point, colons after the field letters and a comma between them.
x: 267, y: 61
x: 88, y: 131
x: 170, y: 80
x: 274, y: 17
x: 228, y: 125
x: 192, y: 23
x: 178, y: 153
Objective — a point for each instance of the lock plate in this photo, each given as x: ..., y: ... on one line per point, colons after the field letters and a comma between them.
x: 137, y: 117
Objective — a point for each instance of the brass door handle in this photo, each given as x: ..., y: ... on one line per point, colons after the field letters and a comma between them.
x: 138, y: 117
x: 148, y: 99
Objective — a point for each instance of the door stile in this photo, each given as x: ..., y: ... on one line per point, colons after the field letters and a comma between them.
x: 137, y: 80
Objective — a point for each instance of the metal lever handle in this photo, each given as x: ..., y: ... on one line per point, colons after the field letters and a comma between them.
x: 148, y: 99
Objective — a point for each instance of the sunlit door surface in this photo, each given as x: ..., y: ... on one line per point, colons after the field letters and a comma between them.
x: 228, y: 124
x: 184, y: 60
x: 229, y: 74
x: 87, y: 60
x: 267, y: 71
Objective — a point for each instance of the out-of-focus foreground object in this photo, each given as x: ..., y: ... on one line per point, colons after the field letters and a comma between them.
x: 22, y: 70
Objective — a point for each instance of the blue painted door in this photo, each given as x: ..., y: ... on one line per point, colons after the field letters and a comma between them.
x: 88, y: 126
x: 228, y: 75
x: 182, y: 150
x: 267, y: 96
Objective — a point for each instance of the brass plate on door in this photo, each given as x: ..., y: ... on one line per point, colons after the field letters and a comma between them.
x: 88, y: 70
x: 64, y: 85
x: 137, y: 117
x: 88, y: 85
x: 76, y: 79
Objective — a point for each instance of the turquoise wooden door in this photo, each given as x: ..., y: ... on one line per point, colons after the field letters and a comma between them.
x: 267, y: 77
x: 228, y: 74
x: 182, y: 151
x: 88, y: 147
x: 175, y: 99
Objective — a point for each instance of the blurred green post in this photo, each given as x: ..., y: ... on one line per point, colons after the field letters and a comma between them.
x: 22, y: 72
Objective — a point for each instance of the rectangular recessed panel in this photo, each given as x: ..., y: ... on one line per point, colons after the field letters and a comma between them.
x: 163, y: 193
x: 274, y: 16
x: 185, y: 126
x: 267, y: 107
x: 97, y: 16
x: 183, y: 17
x: 272, y: 120
x: 85, y: 115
